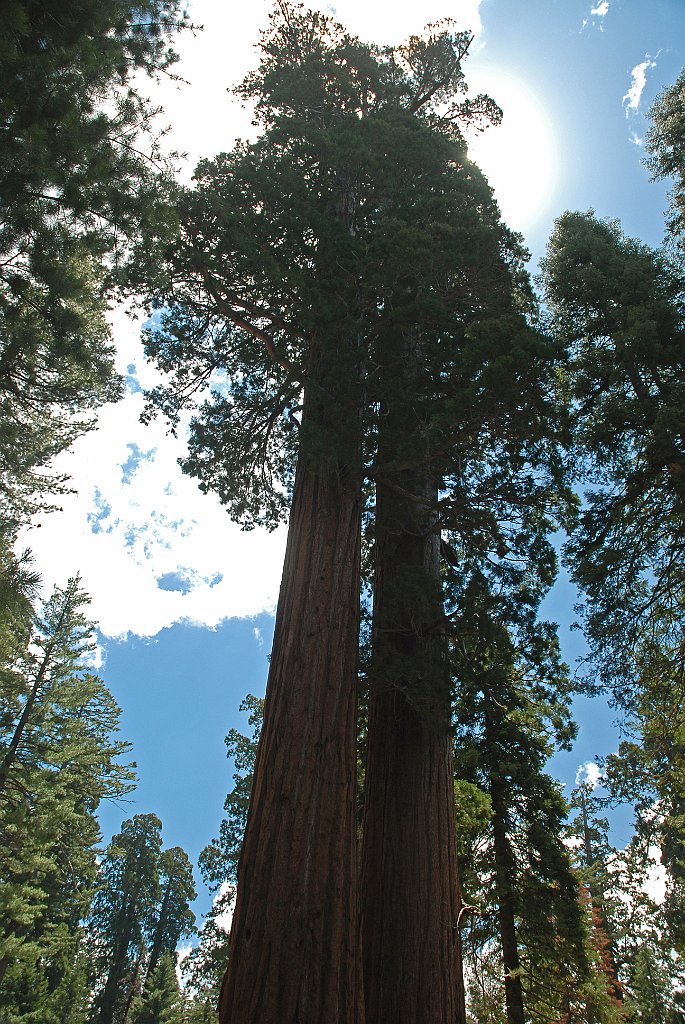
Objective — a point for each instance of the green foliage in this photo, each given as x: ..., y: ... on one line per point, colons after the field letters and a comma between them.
x: 79, y: 175
x: 175, y: 920
x: 512, y: 711
x: 666, y: 146
x: 618, y: 305
x: 124, y: 913
x: 138, y: 914
x: 362, y: 179
x: 58, y: 760
x: 161, y: 1001
x: 653, y: 996
x: 485, y: 990
x: 638, y: 973
x: 218, y: 862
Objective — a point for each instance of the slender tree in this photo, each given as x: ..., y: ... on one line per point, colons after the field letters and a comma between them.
x: 60, y: 757
x: 618, y: 305
x: 175, y: 920
x: 437, y: 425
x: 512, y: 710
x: 218, y: 862
x: 666, y: 146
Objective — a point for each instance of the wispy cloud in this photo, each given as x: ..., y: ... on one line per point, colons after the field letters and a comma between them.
x: 638, y: 81
x: 632, y: 100
x: 597, y: 15
x: 151, y: 549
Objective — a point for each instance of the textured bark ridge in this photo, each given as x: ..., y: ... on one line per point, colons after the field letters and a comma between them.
x: 294, y: 941
x: 409, y: 883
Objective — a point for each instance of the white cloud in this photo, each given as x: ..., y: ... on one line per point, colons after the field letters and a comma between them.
x: 597, y: 15
x: 654, y: 883
x: 225, y: 919
x: 588, y: 774
x: 182, y: 953
x: 633, y: 97
x: 128, y: 532
x: 638, y: 81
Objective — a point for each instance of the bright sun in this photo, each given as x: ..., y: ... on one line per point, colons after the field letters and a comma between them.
x: 519, y: 156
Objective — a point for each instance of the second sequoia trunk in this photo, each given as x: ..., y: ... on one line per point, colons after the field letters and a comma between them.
x: 409, y: 884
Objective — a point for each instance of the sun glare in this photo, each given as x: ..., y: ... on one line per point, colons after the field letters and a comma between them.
x: 519, y: 156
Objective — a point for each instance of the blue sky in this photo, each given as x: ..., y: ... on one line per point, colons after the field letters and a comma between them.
x: 185, y: 600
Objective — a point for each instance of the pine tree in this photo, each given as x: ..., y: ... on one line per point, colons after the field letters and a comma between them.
x: 161, y: 1002
x: 666, y: 146
x: 218, y: 862
x: 59, y: 759
x: 618, y: 305
x: 639, y: 972
x: 512, y: 708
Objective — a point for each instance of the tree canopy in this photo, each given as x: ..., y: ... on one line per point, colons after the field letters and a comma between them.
x: 80, y: 173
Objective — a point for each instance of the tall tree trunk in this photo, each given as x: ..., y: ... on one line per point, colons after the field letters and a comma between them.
x: 294, y: 955
x: 157, y: 947
x: 134, y: 987
x: 409, y: 883
x: 601, y: 929
x: 110, y: 998
x: 504, y: 885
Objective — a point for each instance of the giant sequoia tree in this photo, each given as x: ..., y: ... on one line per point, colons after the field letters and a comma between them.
x: 345, y: 290
x: 457, y: 448
x: 139, y: 913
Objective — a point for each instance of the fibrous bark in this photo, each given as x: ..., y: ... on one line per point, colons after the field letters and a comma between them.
x: 409, y: 884
x: 294, y: 955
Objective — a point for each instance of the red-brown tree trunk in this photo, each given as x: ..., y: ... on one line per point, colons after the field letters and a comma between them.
x: 294, y: 956
x: 409, y: 882
x: 410, y: 901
